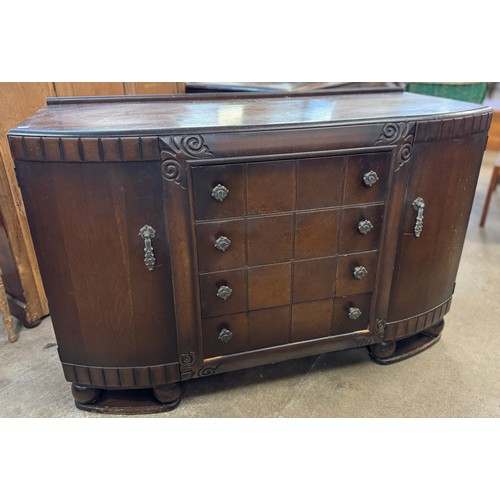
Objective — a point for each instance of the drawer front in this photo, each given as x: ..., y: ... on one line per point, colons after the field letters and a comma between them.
x: 351, y: 313
x: 356, y: 273
x: 225, y: 335
x: 221, y: 245
x: 223, y: 293
x: 361, y: 228
x: 366, y: 178
x: 219, y: 191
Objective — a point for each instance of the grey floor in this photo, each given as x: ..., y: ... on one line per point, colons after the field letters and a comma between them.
x: 458, y: 377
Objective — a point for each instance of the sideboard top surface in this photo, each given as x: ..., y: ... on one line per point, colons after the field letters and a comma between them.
x: 150, y: 115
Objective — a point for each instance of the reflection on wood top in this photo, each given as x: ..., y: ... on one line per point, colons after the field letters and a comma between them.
x: 215, y: 112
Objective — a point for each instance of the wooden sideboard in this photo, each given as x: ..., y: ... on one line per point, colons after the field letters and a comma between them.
x: 184, y: 236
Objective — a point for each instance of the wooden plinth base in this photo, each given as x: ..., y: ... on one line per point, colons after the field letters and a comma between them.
x: 407, y: 348
x: 129, y: 402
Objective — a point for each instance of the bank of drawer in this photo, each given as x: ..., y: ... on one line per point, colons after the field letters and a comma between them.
x: 356, y: 273
x: 221, y: 245
x: 223, y: 292
x: 366, y: 178
x: 346, y: 310
x: 361, y: 228
x: 219, y: 191
x: 225, y: 335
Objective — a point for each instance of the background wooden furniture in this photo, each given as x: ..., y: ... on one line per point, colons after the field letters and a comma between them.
x: 495, y: 180
x: 22, y: 280
x: 184, y: 236
x: 5, y: 312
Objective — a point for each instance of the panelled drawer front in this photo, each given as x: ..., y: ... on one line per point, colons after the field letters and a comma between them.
x: 214, y: 305
x: 225, y: 335
x: 206, y: 179
x: 366, y: 178
x: 298, y: 249
x: 352, y: 239
x: 356, y: 273
x: 208, y: 234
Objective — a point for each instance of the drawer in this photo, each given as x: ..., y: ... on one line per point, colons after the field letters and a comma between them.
x: 320, y: 182
x: 221, y: 245
x: 219, y: 191
x: 223, y: 293
x: 312, y: 320
x: 366, y: 178
x: 361, y: 228
x: 316, y: 234
x: 225, y: 335
x: 269, y: 286
x: 356, y: 273
x: 271, y: 187
x: 269, y: 239
x: 314, y: 279
x: 268, y: 327
x: 346, y: 310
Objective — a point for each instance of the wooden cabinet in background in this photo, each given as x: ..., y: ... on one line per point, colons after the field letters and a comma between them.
x: 187, y: 236
x: 21, y: 275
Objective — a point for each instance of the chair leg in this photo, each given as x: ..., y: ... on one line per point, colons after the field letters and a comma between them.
x: 495, y: 178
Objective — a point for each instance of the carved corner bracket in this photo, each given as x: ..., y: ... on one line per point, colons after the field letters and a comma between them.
x: 175, y: 151
x: 372, y: 338
x: 401, y: 135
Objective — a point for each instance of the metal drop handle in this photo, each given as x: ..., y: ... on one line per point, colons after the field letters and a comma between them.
x: 147, y: 233
x: 224, y: 292
x: 419, y: 205
x: 225, y: 335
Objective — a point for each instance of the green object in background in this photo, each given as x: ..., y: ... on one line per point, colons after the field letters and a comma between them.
x: 471, y: 92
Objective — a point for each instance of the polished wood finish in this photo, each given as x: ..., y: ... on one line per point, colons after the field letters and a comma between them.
x: 314, y: 194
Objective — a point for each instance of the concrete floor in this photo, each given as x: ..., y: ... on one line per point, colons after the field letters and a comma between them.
x: 458, y: 377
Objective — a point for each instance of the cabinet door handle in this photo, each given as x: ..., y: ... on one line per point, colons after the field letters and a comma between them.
x: 419, y: 205
x: 147, y: 233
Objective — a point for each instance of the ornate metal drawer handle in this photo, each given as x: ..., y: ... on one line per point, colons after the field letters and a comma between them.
x: 370, y: 178
x: 147, y: 233
x: 225, y: 335
x: 365, y: 226
x: 222, y: 243
x: 224, y: 292
x: 360, y: 272
x: 220, y: 192
x: 354, y: 313
x: 419, y: 205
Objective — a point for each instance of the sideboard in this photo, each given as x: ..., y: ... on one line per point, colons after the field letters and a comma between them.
x: 184, y: 236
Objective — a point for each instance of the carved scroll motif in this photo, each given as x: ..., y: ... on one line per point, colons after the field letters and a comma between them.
x: 186, y: 362
x: 175, y: 150
x: 400, y: 134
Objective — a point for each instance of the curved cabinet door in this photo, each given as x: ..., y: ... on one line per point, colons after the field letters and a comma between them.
x: 443, y: 178
x: 108, y: 308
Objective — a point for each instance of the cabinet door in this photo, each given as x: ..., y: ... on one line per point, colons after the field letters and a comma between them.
x: 107, y: 308
x: 444, y: 175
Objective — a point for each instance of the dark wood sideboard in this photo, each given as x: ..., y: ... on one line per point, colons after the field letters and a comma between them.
x: 184, y: 236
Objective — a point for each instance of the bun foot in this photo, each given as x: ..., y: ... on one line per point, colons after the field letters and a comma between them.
x: 84, y: 395
x: 382, y: 350
x: 168, y: 394
x: 405, y: 348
